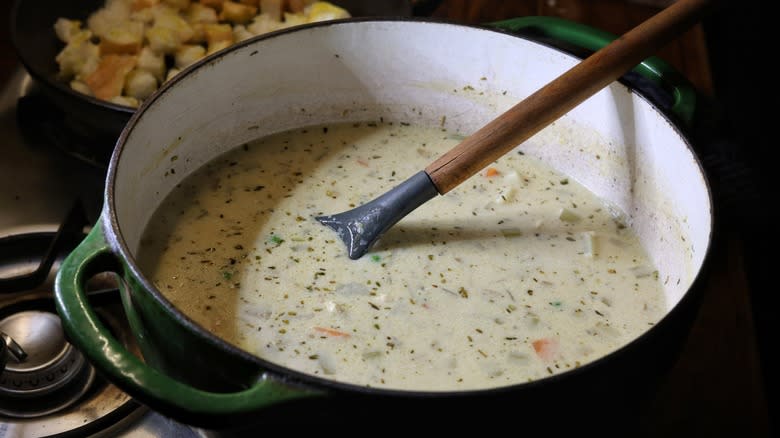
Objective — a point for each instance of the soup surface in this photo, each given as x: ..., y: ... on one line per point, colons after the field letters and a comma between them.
x: 517, y: 274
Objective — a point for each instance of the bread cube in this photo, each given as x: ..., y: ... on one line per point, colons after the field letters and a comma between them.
x: 79, y: 57
x: 263, y: 23
x: 171, y: 73
x: 273, y: 8
x: 81, y: 87
x: 152, y: 62
x: 179, y: 5
x: 237, y: 13
x: 113, y: 14
x: 65, y: 29
x: 162, y: 39
x: 198, y: 13
x: 170, y: 18
x: 217, y: 46
x: 187, y: 54
x: 322, y: 11
x: 240, y: 33
x: 125, y: 100
x: 297, y: 6
x: 215, y: 4
x: 218, y: 32
x: 107, y: 81
x: 139, y: 84
x: 124, y: 38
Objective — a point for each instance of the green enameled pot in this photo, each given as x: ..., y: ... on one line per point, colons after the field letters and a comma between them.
x: 386, y: 68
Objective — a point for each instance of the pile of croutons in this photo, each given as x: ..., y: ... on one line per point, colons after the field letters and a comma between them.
x: 130, y: 47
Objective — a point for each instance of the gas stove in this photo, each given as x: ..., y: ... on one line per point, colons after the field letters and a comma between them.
x: 51, y: 184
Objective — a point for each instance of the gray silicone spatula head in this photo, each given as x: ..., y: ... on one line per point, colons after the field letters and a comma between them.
x: 360, y: 227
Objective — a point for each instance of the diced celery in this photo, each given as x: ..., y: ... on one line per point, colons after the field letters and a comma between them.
x: 567, y: 215
x: 589, y: 242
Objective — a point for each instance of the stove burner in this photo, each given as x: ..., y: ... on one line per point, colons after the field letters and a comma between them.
x: 68, y: 235
x: 47, y: 387
x: 53, y: 374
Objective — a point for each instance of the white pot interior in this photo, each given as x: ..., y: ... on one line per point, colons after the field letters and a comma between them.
x: 615, y: 143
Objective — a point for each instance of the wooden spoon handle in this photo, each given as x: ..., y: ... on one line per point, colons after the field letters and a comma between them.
x: 561, y: 95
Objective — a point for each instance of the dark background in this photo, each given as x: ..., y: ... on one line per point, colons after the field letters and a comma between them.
x: 741, y: 46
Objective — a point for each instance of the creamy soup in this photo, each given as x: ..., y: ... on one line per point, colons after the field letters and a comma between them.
x: 517, y: 274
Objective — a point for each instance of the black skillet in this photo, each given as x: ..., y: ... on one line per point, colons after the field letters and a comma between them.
x: 36, y: 44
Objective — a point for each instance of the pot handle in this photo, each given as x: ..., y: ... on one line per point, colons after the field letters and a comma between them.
x: 653, y: 68
x: 159, y: 391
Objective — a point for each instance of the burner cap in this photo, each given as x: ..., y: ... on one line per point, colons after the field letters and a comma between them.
x: 50, y: 375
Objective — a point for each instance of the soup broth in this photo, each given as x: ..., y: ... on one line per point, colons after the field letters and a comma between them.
x: 517, y: 274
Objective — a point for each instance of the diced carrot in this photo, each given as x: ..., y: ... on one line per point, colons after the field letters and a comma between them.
x: 491, y: 171
x: 332, y: 332
x: 546, y: 348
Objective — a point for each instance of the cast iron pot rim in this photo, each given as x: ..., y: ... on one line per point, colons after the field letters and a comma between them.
x: 113, y: 234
